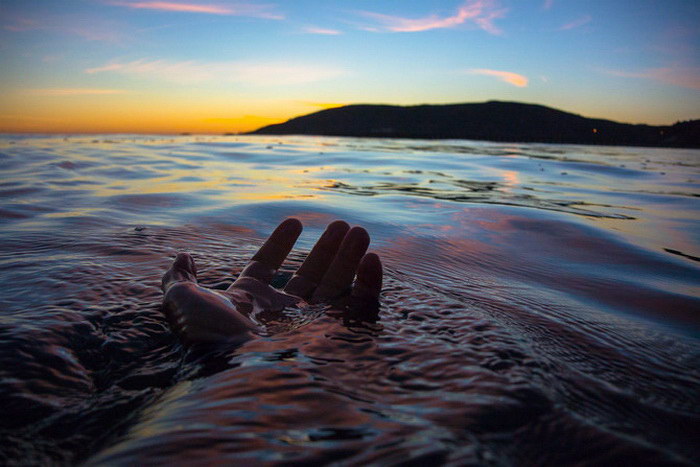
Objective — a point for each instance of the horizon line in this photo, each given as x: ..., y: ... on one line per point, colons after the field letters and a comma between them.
x: 176, y: 132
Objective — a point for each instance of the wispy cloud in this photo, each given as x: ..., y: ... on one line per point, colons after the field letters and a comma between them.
x: 315, y: 30
x: 481, y: 13
x: 685, y: 77
x: 187, y: 72
x: 272, y: 74
x: 577, y: 23
x: 90, y: 28
x: 506, y: 76
x: 21, y: 24
x: 74, y: 92
x: 547, y: 4
x: 238, y: 9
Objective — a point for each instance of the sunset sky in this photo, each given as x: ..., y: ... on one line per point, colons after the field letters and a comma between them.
x: 228, y: 66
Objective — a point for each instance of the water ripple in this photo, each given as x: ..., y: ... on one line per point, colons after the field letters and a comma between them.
x: 540, y: 303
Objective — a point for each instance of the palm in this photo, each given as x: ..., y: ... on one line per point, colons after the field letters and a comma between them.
x: 326, y: 276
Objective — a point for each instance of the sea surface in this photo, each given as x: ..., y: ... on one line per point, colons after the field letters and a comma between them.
x: 541, y: 303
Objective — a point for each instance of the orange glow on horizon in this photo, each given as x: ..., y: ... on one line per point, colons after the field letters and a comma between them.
x: 87, y: 123
x: 322, y: 105
x: 199, y: 110
x: 95, y: 112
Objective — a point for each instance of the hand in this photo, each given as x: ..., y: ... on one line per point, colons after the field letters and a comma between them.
x: 326, y: 276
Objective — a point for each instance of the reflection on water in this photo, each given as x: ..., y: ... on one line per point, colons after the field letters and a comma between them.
x: 541, y: 303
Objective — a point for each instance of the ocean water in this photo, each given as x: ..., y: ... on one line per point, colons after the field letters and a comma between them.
x: 541, y: 303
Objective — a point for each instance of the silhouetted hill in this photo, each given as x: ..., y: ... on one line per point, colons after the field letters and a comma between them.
x: 493, y: 121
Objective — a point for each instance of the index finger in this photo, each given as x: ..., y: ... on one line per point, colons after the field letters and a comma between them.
x: 274, y: 251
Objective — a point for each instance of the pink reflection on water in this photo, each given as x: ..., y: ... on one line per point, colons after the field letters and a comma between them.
x: 496, y: 252
x: 313, y: 218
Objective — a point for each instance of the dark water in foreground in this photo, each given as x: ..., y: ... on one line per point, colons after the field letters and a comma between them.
x: 541, y: 303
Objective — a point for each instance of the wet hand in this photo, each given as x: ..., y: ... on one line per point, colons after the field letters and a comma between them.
x: 336, y: 271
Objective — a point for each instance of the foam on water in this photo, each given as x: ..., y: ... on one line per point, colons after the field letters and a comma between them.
x: 540, y: 304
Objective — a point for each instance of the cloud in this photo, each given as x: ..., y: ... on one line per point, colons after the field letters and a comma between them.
x: 239, y: 9
x: 315, y: 30
x: 90, y: 28
x: 74, y: 92
x: 482, y: 13
x: 685, y: 77
x: 109, y: 67
x: 22, y: 24
x: 187, y: 72
x: 506, y: 76
x: 547, y: 4
x: 276, y: 74
x: 578, y: 22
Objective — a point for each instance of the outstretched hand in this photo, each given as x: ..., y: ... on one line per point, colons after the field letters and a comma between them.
x: 326, y: 276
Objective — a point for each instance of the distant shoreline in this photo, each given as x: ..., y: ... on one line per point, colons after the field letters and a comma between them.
x: 495, y: 121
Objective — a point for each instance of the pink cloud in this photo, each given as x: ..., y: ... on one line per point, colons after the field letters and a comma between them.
x: 315, y: 30
x: 22, y: 24
x: 685, y: 77
x: 578, y: 22
x: 241, y: 9
x: 480, y: 12
x: 506, y: 76
x: 547, y: 4
x: 90, y: 28
x: 96, y: 33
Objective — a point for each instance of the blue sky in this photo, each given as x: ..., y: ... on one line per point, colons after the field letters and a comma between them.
x: 212, y: 66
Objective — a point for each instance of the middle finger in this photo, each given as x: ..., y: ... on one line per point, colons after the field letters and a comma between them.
x: 316, y: 264
x: 338, y: 278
